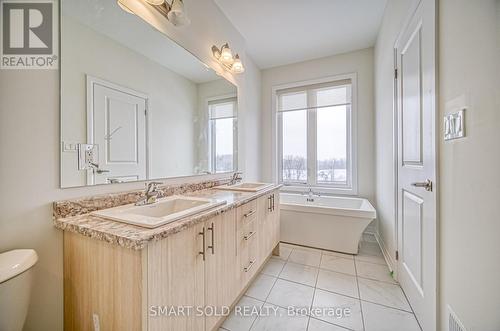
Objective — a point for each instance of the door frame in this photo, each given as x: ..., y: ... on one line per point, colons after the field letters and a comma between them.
x: 91, y: 82
x: 396, y: 122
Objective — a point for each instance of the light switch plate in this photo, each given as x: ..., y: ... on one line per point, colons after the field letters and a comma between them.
x: 454, y: 125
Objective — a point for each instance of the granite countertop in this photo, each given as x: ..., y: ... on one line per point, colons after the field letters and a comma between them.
x: 136, y: 237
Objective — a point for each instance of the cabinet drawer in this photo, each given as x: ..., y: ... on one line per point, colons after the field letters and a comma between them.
x: 246, y: 214
x: 249, y: 259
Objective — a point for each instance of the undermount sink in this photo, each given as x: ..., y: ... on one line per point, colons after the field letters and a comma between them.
x: 245, y: 187
x: 163, y: 211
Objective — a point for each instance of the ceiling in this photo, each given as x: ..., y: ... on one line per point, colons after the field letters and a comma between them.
x: 281, y: 32
x: 129, y: 30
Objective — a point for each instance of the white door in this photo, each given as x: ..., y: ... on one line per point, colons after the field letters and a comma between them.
x: 416, y: 105
x: 117, y: 124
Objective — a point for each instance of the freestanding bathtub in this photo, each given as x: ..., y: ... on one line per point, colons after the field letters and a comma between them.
x: 333, y: 223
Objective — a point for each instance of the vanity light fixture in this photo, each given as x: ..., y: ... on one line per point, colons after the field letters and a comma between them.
x: 173, y: 11
x: 124, y: 7
x: 225, y: 57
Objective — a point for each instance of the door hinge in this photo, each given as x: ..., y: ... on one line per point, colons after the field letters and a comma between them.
x: 397, y: 256
x: 395, y: 73
x: 145, y: 112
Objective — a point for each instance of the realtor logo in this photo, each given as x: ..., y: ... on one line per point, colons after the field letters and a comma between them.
x: 28, y: 35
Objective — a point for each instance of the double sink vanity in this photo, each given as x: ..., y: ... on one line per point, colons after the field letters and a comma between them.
x: 141, y: 107
x: 178, y: 263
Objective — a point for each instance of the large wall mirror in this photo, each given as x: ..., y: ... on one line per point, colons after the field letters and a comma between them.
x: 135, y: 105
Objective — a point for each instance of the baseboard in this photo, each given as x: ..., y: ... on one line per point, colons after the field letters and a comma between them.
x: 387, y: 256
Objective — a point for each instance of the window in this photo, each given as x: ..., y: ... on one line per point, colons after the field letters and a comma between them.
x: 223, y: 134
x: 315, y: 136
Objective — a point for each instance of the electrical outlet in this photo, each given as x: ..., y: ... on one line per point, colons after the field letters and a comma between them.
x: 88, y: 155
x: 95, y: 318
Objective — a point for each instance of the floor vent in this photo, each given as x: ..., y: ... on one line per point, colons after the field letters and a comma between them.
x: 454, y: 323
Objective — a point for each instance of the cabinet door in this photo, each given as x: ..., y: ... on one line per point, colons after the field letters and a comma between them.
x: 265, y: 226
x: 275, y: 217
x: 176, y: 279
x: 221, y: 280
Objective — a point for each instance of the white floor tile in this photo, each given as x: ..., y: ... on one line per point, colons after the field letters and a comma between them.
x: 374, y: 271
x: 273, y: 267
x: 324, y: 299
x: 370, y: 248
x: 290, y: 294
x: 380, y: 318
x: 261, y: 287
x: 299, y: 273
x: 317, y: 325
x: 339, y: 264
x: 308, y: 257
x: 280, y: 321
x: 384, y: 293
x: 338, y: 283
x: 378, y: 259
x: 238, y: 322
x: 284, y: 252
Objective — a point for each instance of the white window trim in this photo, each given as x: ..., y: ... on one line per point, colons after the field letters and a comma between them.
x: 352, y: 138
x: 211, y: 132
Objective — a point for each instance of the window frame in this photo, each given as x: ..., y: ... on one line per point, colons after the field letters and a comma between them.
x: 212, y: 159
x: 351, y: 188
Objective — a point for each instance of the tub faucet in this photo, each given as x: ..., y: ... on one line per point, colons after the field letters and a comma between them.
x: 151, y: 194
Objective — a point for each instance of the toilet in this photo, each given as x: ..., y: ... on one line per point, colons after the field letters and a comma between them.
x: 16, y: 269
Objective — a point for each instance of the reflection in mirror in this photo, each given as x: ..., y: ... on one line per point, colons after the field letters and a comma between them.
x: 135, y: 105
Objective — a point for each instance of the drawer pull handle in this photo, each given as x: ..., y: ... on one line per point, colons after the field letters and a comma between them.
x: 202, y: 234
x: 212, y: 230
x: 250, y: 235
x: 250, y: 265
x: 250, y: 213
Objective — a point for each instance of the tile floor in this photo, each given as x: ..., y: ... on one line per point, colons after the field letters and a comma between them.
x: 305, y: 278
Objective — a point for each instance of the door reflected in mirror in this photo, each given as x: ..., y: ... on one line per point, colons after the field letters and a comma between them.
x: 135, y: 105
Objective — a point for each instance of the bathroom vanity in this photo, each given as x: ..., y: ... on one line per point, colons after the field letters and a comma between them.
x: 125, y: 277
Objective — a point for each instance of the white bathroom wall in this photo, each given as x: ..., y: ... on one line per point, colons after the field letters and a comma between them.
x: 29, y: 149
x: 360, y: 62
x: 469, y: 179
x: 469, y: 175
x: 396, y: 12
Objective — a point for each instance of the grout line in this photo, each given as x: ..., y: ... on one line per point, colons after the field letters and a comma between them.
x: 315, y: 287
x: 359, y: 294
x: 409, y: 303
x: 329, y: 323
x: 386, y: 306
x: 378, y: 280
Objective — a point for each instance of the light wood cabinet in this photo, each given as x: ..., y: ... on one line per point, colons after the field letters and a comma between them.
x: 221, y: 285
x: 269, y: 223
x: 164, y: 286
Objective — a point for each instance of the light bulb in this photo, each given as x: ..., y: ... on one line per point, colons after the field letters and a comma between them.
x: 226, y: 56
x: 177, y: 16
x: 237, y: 66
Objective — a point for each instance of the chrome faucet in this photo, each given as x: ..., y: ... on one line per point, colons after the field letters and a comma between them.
x: 235, y: 178
x: 151, y: 194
